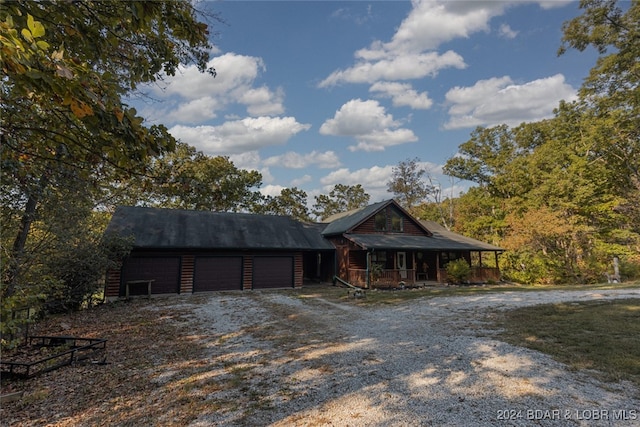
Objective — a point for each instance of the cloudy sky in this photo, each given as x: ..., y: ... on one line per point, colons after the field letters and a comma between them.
x: 315, y: 93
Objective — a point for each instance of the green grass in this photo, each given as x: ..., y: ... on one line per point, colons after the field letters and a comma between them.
x: 603, y: 336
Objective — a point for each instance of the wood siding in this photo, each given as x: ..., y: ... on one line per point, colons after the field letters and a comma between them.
x: 112, y: 284
x: 186, y: 274
x: 409, y: 226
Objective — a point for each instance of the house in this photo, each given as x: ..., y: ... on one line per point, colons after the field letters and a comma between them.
x: 185, y: 251
x: 408, y: 250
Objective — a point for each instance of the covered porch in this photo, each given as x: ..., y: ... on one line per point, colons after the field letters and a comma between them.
x: 416, y: 268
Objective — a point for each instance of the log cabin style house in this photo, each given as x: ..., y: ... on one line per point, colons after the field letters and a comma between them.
x: 381, y: 245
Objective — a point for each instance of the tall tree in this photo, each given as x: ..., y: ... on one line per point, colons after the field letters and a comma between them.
x: 291, y: 202
x: 189, y: 179
x: 341, y: 198
x: 408, y: 183
x: 612, y: 89
x: 66, y: 67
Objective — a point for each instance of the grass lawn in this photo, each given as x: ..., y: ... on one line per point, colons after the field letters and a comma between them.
x: 598, y: 335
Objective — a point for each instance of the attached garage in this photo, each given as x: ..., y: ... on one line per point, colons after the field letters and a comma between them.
x: 273, y: 272
x: 189, y: 251
x: 217, y: 273
x: 164, y: 271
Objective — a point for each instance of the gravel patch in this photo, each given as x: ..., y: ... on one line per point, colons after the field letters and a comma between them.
x: 429, y: 362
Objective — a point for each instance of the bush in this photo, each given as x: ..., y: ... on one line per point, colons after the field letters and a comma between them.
x: 458, y: 271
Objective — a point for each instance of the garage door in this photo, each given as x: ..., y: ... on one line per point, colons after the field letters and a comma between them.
x: 272, y: 272
x: 164, y: 271
x: 217, y: 274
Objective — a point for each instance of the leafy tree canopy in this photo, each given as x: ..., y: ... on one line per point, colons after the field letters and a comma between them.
x: 341, y: 198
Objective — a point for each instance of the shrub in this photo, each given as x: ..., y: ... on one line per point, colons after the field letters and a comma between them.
x: 458, y: 271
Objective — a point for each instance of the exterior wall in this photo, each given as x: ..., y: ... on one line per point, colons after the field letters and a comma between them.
x: 186, y: 279
x: 409, y: 228
x: 112, y: 284
x: 298, y: 272
x: 186, y: 274
x: 247, y: 274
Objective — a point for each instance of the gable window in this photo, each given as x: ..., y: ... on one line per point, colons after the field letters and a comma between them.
x: 396, y: 222
x: 380, y: 221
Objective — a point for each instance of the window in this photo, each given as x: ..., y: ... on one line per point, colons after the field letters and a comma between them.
x: 381, y: 221
x: 396, y: 222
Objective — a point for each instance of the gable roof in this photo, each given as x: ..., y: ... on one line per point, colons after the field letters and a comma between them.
x: 347, y: 221
x: 156, y: 228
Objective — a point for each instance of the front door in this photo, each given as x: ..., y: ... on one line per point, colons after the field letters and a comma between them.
x: 402, y: 264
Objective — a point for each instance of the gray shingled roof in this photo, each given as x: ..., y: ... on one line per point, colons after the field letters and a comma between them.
x: 343, y: 222
x: 187, y: 229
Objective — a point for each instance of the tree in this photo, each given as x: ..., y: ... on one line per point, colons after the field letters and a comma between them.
x: 342, y: 198
x: 291, y: 202
x: 612, y: 89
x: 408, y: 183
x: 65, y: 128
x: 189, y: 179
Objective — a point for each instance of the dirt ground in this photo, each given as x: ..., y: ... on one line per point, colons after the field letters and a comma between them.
x: 300, y: 358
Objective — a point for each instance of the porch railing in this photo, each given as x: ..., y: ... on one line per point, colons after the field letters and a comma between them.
x: 392, y: 278
x: 358, y: 277
x: 478, y: 275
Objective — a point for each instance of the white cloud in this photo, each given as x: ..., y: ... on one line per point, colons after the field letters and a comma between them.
x: 234, y: 137
x: 293, y: 160
x: 373, y: 180
x: 432, y: 23
x: 200, y: 95
x: 395, y: 67
x: 271, y: 190
x: 300, y: 181
x: 499, y: 100
x: 410, y: 54
x: 552, y: 4
x: 249, y: 160
x: 262, y: 101
x: 367, y: 122
x: 196, y: 111
x: 358, y: 117
x: 402, y: 95
x: 506, y: 32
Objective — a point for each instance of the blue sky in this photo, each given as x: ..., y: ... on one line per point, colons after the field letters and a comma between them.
x: 316, y: 93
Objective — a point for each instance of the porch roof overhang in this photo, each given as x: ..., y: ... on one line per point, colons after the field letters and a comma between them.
x: 403, y: 242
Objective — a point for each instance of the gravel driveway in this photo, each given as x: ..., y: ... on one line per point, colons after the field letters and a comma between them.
x: 309, y: 361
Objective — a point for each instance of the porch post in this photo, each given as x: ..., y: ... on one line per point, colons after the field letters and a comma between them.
x: 368, y: 280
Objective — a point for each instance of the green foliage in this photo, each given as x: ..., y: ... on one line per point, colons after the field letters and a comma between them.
x: 561, y: 194
x: 458, y: 271
x: 291, y: 202
x: 409, y: 183
x: 342, y: 198
x: 189, y: 179
x: 80, y: 269
x: 66, y: 132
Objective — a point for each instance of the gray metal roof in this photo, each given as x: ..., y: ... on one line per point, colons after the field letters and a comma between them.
x: 155, y: 228
x: 425, y: 243
x: 457, y: 240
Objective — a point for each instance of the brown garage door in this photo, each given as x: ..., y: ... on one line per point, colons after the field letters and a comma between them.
x: 272, y: 272
x: 217, y: 273
x: 164, y: 271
